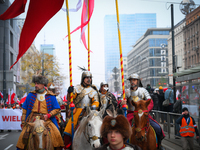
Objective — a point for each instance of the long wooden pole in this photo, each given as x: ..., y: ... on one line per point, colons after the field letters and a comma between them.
x: 88, y: 37
x: 72, y: 106
x: 121, y: 58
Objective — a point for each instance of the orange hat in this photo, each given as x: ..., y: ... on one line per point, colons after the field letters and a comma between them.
x: 160, y: 87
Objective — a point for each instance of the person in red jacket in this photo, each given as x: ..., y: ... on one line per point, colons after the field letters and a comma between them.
x: 187, y: 129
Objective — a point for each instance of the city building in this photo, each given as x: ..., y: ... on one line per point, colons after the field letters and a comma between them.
x: 9, y: 37
x: 178, y: 49
x: 188, y: 80
x: 132, y: 27
x: 149, y: 57
x: 47, y: 48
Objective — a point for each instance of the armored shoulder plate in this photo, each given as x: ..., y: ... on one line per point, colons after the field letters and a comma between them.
x: 78, y: 89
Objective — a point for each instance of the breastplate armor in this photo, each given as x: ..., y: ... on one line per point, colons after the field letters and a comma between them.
x: 103, y: 100
x: 88, y: 92
x: 139, y: 94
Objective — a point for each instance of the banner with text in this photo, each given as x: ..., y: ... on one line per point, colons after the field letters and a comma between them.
x: 10, y: 119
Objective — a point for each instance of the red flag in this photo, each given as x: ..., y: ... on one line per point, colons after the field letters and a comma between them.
x: 17, y: 7
x: 39, y: 13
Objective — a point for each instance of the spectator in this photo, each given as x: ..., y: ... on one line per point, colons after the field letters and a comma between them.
x: 169, y: 93
x: 148, y: 88
x: 155, y: 99
x: 187, y: 129
x: 177, y: 108
x: 161, y: 98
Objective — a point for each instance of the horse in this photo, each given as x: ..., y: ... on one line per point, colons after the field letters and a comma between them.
x: 87, y: 136
x: 40, y: 137
x: 143, y: 134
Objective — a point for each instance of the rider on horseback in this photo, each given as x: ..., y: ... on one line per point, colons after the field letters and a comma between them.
x: 107, y: 99
x: 42, y: 103
x: 84, y: 95
x: 136, y: 93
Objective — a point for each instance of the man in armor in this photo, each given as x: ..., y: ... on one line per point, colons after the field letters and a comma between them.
x: 136, y: 93
x: 106, y: 97
x: 42, y: 103
x: 84, y: 95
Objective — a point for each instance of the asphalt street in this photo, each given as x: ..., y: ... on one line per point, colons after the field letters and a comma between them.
x: 8, y: 140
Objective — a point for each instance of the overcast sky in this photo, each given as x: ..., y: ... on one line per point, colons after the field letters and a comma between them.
x: 56, y: 29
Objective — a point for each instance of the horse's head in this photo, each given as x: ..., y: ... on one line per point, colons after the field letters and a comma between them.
x: 39, y: 134
x: 94, y: 122
x: 141, y: 121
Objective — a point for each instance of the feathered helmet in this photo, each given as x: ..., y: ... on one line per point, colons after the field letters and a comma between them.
x: 40, y: 79
x: 115, y: 122
x: 136, y: 76
x: 85, y: 74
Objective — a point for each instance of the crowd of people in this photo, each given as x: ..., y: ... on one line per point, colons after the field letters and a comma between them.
x: 43, y: 102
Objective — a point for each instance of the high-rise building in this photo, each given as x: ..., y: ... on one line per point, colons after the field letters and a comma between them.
x: 47, y: 48
x: 132, y: 27
x: 149, y: 57
x: 9, y: 37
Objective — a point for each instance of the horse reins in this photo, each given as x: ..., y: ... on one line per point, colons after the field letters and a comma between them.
x: 147, y: 125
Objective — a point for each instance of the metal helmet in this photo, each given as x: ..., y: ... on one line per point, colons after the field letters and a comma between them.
x: 103, y: 83
x: 134, y: 76
x: 86, y: 74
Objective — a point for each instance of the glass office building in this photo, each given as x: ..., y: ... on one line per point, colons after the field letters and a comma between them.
x: 132, y: 27
x: 149, y: 57
x: 47, y: 48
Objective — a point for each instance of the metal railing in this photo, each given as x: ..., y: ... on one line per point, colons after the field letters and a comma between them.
x: 167, y: 120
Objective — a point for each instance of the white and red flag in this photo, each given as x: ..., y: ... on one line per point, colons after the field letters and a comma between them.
x: 12, y: 97
x: 23, y: 99
x: 1, y: 95
x: 85, y: 18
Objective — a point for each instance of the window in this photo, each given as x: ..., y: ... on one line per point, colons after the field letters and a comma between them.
x: 11, y: 39
x: 11, y: 23
x: 11, y: 58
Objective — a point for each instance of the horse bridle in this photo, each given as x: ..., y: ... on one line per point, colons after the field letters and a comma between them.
x: 146, y: 128
x: 88, y: 138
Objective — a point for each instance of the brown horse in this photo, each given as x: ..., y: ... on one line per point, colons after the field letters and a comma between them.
x: 143, y: 134
x: 40, y: 137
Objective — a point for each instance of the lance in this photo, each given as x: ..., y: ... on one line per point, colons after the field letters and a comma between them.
x: 72, y: 106
x: 121, y: 59
x: 88, y: 37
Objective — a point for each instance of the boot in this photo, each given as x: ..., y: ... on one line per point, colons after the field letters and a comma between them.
x: 67, y: 141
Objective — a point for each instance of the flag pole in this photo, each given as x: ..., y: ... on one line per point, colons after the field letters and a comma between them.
x: 72, y: 106
x: 88, y: 37
x: 121, y: 59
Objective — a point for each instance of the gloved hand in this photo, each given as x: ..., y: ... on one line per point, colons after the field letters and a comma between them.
x: 70, y: 89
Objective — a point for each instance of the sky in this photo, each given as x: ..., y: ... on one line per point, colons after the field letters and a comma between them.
x: 56, y: 29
